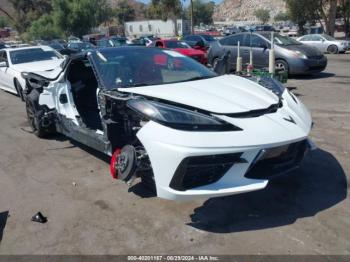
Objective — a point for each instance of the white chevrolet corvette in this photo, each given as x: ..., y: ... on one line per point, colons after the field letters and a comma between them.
x: 14, y: 61
x: 165, y: 118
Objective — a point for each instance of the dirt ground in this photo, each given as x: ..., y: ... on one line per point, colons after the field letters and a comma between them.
x: 304, y: 213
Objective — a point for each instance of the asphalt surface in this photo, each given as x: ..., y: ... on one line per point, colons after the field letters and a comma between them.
x: 89, y: 213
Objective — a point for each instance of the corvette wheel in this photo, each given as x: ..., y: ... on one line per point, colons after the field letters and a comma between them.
x: 19, y: 90
x: 33, y: 118
x: 332, y: 49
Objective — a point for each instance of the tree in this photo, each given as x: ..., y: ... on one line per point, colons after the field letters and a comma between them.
x: 308, y: 13
x: 263, y: 15
x: 44, y: 28
x: 202, y: 12
x: 344, y: 11
x: 27, y: 11
x: 78, y: 17
x: 327, y: 9
x: 124, y: 12
x: 3, y: 21
x: 166, y: 9
x: 281, y: 17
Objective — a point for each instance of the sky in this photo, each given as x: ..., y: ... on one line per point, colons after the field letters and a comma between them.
x: 186, y: 2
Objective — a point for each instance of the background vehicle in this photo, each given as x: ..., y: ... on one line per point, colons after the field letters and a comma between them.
x: 61, y: 49
x: 291, y: 55
x: 2, y: 46
x: 144, y: 40
x: 80, y: 46
x: 183, y: 48
x: 161, y: 116
x: 14, y: 61
x: 201, y: 42
x: 325, y: 43
x: 112, y: 42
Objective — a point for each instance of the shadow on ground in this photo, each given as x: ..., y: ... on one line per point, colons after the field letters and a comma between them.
x: 318, y: 185
x: 3, y: 220
x: 313, y: 76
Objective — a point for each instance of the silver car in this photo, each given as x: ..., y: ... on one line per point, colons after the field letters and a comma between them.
x: 325, y: 43
x: 291, y: 56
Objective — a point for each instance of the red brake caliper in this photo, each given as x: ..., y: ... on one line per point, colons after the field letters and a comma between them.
x: 114, y: 161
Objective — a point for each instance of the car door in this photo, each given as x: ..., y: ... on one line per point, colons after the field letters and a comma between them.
x: 6, y: 79
x: 230, y: 44
x: 319, y: 42
x: 260, y: 49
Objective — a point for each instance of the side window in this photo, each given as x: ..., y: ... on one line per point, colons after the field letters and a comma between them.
x: 3, y: 56
x: 305, y: 38
x: 318, y: 38
x: 258, y: 42
x: 232, y: 40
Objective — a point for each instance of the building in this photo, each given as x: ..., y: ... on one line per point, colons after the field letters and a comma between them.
x: 157, y: 28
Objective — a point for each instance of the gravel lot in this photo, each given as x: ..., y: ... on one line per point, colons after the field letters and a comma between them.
x: 306, y: 213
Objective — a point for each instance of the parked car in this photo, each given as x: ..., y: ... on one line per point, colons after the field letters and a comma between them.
x: 183, y: 48
x: 201, y: 42
x: 14, y: 61
x: 325, y: 43
x: 61, y: 49
x: 291, y: 56
x: 144, y: 40
x: 265, y: 28
x: 112, y: 42
x: 161, y: 116
x: 2, y: 46
x: 80, y: 46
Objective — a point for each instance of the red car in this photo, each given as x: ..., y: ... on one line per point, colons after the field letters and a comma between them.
x: 182, y: 48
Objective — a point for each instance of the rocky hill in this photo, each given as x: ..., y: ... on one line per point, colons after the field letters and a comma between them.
x: 243, y: 10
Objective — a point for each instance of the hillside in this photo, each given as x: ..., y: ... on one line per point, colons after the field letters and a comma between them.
x: 243, y: 10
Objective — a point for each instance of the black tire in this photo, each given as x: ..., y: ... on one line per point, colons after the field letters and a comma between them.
x: 19, y: 89
x: 332, y: 49
x: 282, y: 66
x: 34, y: 113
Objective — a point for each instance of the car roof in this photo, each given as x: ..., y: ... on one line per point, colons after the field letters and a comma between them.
x: 28, y: 47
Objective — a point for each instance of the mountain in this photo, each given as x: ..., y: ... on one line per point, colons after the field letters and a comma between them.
x: 243, y: 10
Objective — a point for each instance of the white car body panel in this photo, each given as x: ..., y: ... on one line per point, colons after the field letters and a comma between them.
x: 236, y: 94
x: 167, y: 147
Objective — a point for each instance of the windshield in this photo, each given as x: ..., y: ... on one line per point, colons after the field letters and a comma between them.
x: 118, y: 42
x: 208, y: 38
x: 176, y: 44
x: 328, y: 37
x: 131, y: 67
x: 284, y: 40
x: 33, y: 55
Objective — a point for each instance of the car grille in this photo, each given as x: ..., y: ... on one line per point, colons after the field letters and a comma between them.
x: 202, y: 170
x: 278, y: 160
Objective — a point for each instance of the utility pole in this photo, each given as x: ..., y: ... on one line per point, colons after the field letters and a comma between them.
x: 192, y: 20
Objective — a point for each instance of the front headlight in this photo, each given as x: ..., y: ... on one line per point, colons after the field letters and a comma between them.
x: 179, y: 118
x: 299, y: 54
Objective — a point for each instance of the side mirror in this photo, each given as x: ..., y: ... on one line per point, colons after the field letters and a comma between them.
x: 3, y: 64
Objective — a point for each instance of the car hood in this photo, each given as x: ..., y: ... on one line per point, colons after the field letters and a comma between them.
x: 223, y: 95
x: 38, y: 66
x: 307, y: 50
